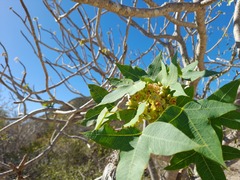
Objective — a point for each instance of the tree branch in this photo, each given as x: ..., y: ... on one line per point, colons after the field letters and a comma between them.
x: 236, y: 25
x: 145, y: 12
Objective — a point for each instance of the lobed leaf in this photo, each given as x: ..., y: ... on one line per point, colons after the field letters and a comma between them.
x: 204, y: 134
x: 158, y: 138
x: 177, y: 87
x: 177, y: 117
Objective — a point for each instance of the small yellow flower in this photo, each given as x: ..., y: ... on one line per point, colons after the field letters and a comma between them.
x: 157, y: 98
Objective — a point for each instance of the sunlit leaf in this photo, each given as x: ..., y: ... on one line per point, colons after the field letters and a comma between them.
x: 173, y: 71
x: 162, y: 75
x: 120, y: 82
x: 123, y: 90
x: 168, y: 78
x: 177, y: 87
x: 198, y: 115
x: 190, y: 73
x: 155, y: 67
x: 140, y: 110
x: 190, y: 67
x: 101, y: 118
x: 92, y: 114
x: 158, y: 138
x: 177, y: 117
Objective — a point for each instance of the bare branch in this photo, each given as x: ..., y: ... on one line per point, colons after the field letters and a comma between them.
x: 145, y: 13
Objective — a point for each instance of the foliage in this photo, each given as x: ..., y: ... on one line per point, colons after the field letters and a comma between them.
x: 185, y: 128
x: 69, y: 159
x: 144, y: 113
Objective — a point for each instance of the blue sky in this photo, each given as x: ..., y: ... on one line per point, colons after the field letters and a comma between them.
x: 17, y: 46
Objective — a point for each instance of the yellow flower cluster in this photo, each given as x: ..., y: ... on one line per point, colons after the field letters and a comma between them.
x: 157, y: 97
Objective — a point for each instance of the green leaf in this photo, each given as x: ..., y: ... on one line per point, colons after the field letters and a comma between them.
x: 147, y: 79
x: 97, y: 92
x: 162, y: 75
x: 190, y: 67
x: 125, y: 115
x: 140, y: 110
x: 158, y: 138
x: 208, y: 169
x: 131, y: 73
x: 227, y: 93
x: 173, y: 71
x: 230, y: 2
x: 168, y: 78
x: 193, y: 75
x: 218, y: 129
x: 120, y: 82
x: 111, y: 138
x: 92, y: 114
x: 230, y: 153
x: 133, y: 163
x: 193, y: 120
x: 210, y: 73
x: 189, y: 72
x: 101, y: 118
x: 230, y: 120
x: 155, y: 67
x: 213, y: 109
x: 189, y: 91
x: 177, y: 117
x: 183, y: 99
x: 123, y: 90
x: 177, y: 87
x: 198, y: 115
x: 181, y: 160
